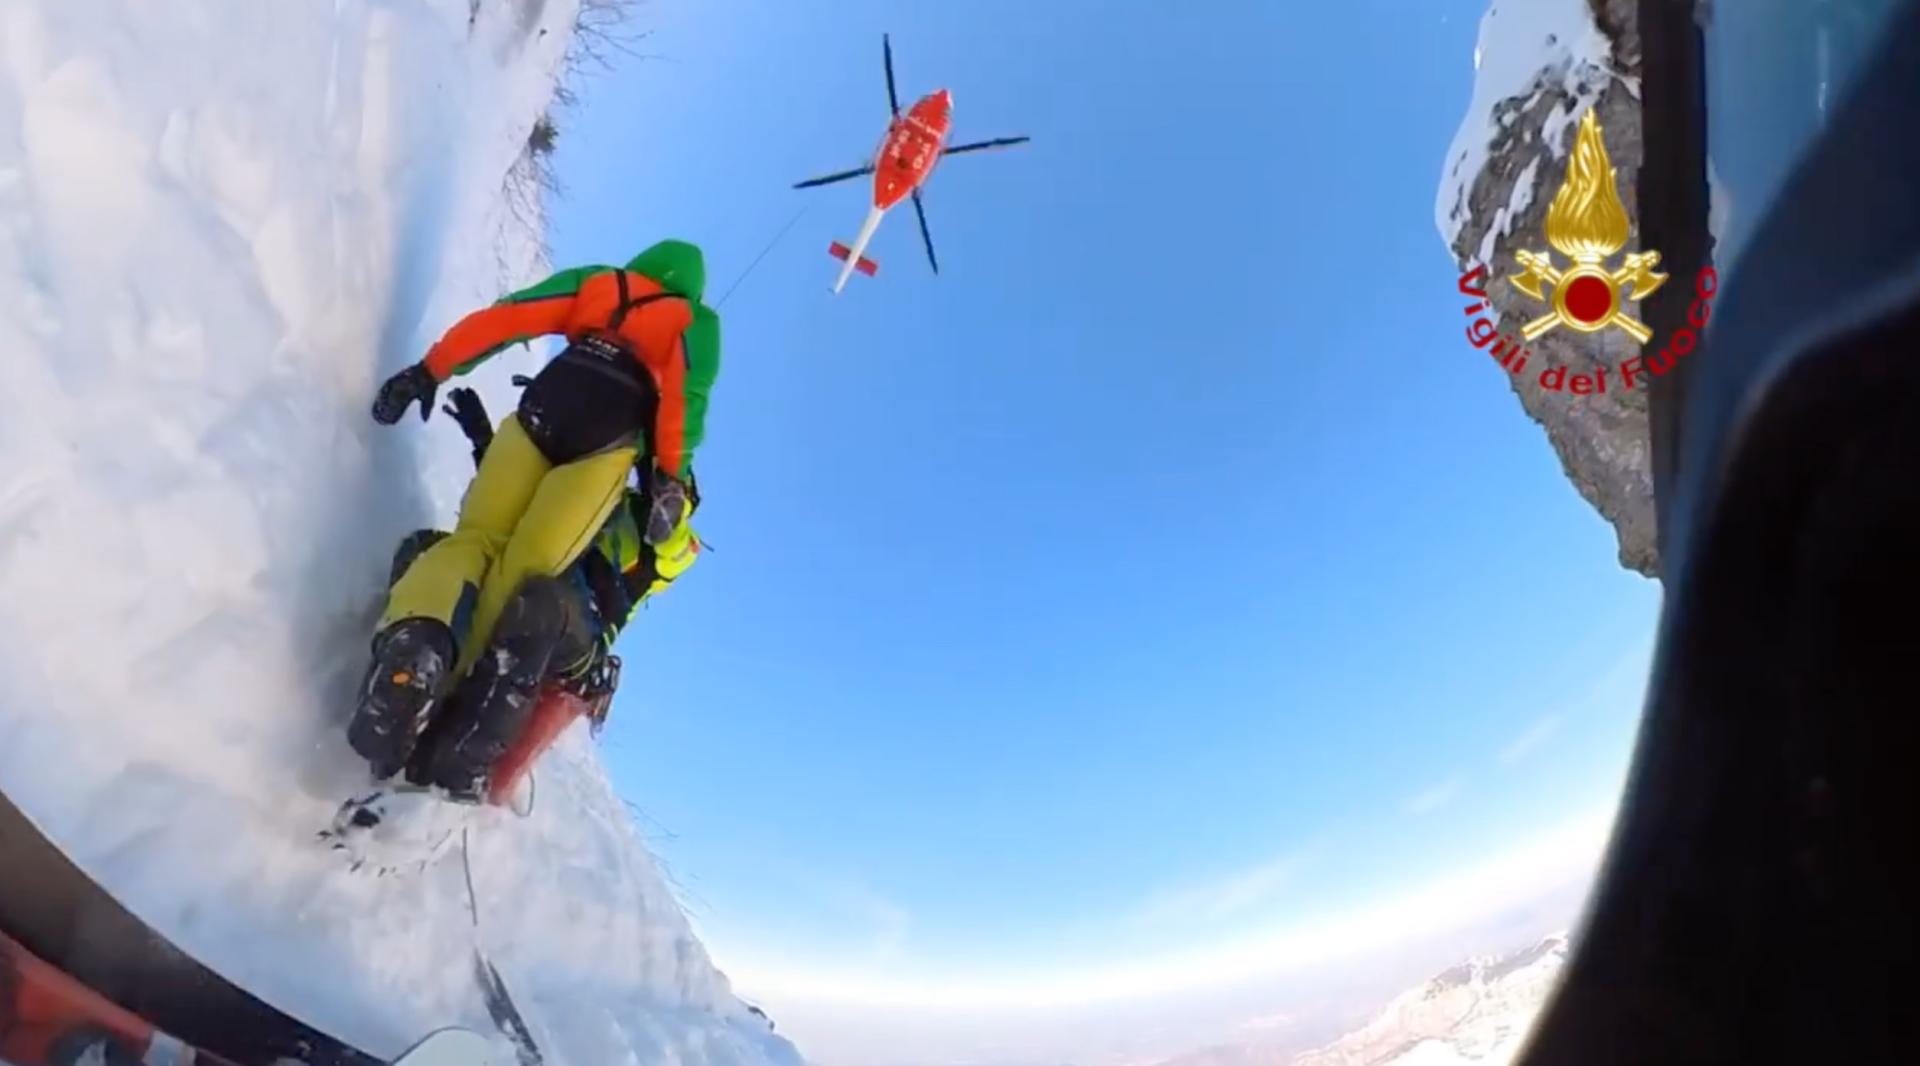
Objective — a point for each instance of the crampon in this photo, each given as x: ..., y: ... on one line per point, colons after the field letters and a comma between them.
x: 397, y: 826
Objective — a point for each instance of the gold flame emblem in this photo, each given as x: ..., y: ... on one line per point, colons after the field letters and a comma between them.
x: 1588, y: 224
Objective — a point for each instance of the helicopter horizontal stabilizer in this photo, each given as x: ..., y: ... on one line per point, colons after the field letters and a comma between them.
x: 863, y: 264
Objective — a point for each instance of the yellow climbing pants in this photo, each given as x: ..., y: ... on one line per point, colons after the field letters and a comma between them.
x: 522, y: 517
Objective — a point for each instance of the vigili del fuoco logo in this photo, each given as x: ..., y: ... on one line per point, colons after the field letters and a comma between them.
x: 1587, y: 224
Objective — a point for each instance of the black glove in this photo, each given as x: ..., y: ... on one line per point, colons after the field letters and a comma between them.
x: 466, y: 409
x: 666, y: 504
x: 401, y: 390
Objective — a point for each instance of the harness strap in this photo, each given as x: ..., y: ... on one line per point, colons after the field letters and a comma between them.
x: 627, y: 303
x: 620, y: 309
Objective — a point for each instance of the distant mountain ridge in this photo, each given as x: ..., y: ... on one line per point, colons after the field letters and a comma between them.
x: 1478, y: 1012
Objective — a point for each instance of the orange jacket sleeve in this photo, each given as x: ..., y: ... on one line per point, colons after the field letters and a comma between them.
x: 670, y: 420
x: 490, y: 329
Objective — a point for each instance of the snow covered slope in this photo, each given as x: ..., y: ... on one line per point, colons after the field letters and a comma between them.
x: 222, y: 223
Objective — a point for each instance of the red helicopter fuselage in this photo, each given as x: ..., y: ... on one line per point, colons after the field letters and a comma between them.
x: 912, y: 148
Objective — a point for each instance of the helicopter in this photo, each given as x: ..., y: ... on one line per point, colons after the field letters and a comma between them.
x: 915, y: 142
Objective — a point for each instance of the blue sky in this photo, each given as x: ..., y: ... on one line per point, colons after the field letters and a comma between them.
x: 1167, y: 567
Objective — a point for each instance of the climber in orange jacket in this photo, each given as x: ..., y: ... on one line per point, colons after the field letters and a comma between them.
x: 631, y: 387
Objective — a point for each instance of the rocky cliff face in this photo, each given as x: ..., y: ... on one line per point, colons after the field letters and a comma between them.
x: 1540, y: 65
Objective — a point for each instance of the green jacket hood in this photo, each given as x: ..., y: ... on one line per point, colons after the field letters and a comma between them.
x: 676, y: 265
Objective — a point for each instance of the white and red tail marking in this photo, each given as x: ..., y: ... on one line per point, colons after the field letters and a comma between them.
x: 856, y: 256
x: 863, y: 264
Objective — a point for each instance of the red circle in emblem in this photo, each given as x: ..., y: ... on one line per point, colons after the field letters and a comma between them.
x: 1589, y: 299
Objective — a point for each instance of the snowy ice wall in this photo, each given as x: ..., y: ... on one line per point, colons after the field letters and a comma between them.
x: 222, y: 223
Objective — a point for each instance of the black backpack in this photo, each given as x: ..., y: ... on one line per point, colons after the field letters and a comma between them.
x: 595, y: 394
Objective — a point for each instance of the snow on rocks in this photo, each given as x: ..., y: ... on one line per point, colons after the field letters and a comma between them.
x: 1526, y: 49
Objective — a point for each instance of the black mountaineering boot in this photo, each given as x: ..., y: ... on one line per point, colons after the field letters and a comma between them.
x: 410, y: 659
x: 493, y: 702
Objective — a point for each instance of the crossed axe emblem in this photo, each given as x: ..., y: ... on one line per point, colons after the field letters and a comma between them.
x: 1582, y: 284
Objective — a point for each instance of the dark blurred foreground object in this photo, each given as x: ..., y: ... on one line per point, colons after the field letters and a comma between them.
x: 49, y: 1019
x: 1760, y: 898
x: 78, y: 971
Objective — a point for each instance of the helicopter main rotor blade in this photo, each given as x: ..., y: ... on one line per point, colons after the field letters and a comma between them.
x: 997, y: 142
x: 926, y: 237
x: 893, y: 99
x: 831, y: 178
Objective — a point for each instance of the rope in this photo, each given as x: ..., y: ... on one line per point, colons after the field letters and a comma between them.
x: 763, y: 254
x: 506, y: 1016
x: 466, y: 865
